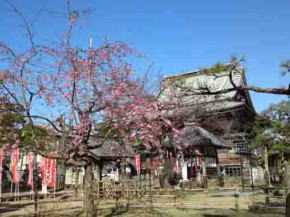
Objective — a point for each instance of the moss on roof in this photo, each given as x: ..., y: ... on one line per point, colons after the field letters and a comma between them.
x: 216, y: 68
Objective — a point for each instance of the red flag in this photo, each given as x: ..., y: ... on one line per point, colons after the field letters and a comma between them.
x: 1, y: 160
x: 30, y: 168
x: 50, y: 172
x: 137, y: 163
x: 14, y: 163
x: 43, y: 166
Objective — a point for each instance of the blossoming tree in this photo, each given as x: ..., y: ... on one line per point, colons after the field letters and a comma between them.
x: 85, y: 87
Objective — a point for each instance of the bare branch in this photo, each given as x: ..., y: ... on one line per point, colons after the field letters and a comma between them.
x: 27, y: 25
x: 49, y: 155
x: 232, y: 67
x: 76, y: 163
x: 281, y: 91
x: 13, y: 95
x: 49, y: 121
x: 206, y: 91
x: 10, y: 50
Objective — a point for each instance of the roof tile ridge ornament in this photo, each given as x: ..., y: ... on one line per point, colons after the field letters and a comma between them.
x: 190, y: 124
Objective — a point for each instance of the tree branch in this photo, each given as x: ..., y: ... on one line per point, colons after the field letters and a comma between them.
x: 281, y: 91
x: 27, y: 26
x: 76, y: 163
x: 207, y: 91
x: 49, y: 121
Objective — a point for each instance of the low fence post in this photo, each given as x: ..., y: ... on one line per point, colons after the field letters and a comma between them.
x: 288, y: 205
x: 174, y: 198
x: 267, y: 198
x: 237, y: 195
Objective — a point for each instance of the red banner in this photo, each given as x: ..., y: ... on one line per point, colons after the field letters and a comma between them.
x: 43, y: 167
x: 137, y: 163
x: 14, y: 164
x: 48, y: 171
x: 1, y: 160
x: 30, y: 168
x: 51, y: 172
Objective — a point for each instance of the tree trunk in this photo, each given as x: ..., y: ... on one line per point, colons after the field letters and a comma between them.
x: 61, y: 175
x: 89, y: 203
x: 266, y: 164
x: 100, y: 169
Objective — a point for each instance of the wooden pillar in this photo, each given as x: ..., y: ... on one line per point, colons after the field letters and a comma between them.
x: 218, y: 169
x: 242, y: 172
x: 100, y: 169
x: 184, y: 170
x: 198, y: 166
x: 251, y: 172
x: 237, y: 195
x: 204, y: 173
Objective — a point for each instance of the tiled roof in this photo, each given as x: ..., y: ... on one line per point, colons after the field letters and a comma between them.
x: 112, y: 149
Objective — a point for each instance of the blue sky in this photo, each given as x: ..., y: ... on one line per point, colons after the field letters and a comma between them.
x: 178, y: 36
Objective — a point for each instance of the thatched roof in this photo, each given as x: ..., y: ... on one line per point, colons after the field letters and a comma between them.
x: 112, y: 150
x: 195, y: 136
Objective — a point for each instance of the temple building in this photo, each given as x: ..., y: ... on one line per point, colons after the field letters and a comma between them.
x: 213, y: 99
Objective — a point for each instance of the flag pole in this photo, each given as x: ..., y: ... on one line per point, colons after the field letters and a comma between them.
x: 18, y: 190
x: 1, y: 189
x: 1, y: 170
x: 54, y: 186
x: 11, y: 187
x: 15, y: 190
x: 17, y: 196
x: 29, y: 161
x: 32, y: 184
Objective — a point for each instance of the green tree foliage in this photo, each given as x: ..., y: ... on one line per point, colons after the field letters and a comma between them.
x: 279, y: 112
x: 11, y: 122
x: 15, y: 129
x: 41, y: 133
x: 273, y: 128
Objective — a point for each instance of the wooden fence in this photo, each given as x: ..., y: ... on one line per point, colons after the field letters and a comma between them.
x: 272, y: 199
x: 143, y: 193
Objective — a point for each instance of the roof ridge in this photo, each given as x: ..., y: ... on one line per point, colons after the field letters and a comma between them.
x: 194, y: 72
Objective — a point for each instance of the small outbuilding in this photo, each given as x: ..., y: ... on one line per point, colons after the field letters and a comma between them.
x: 112, y: 157
x: 199, y: 158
